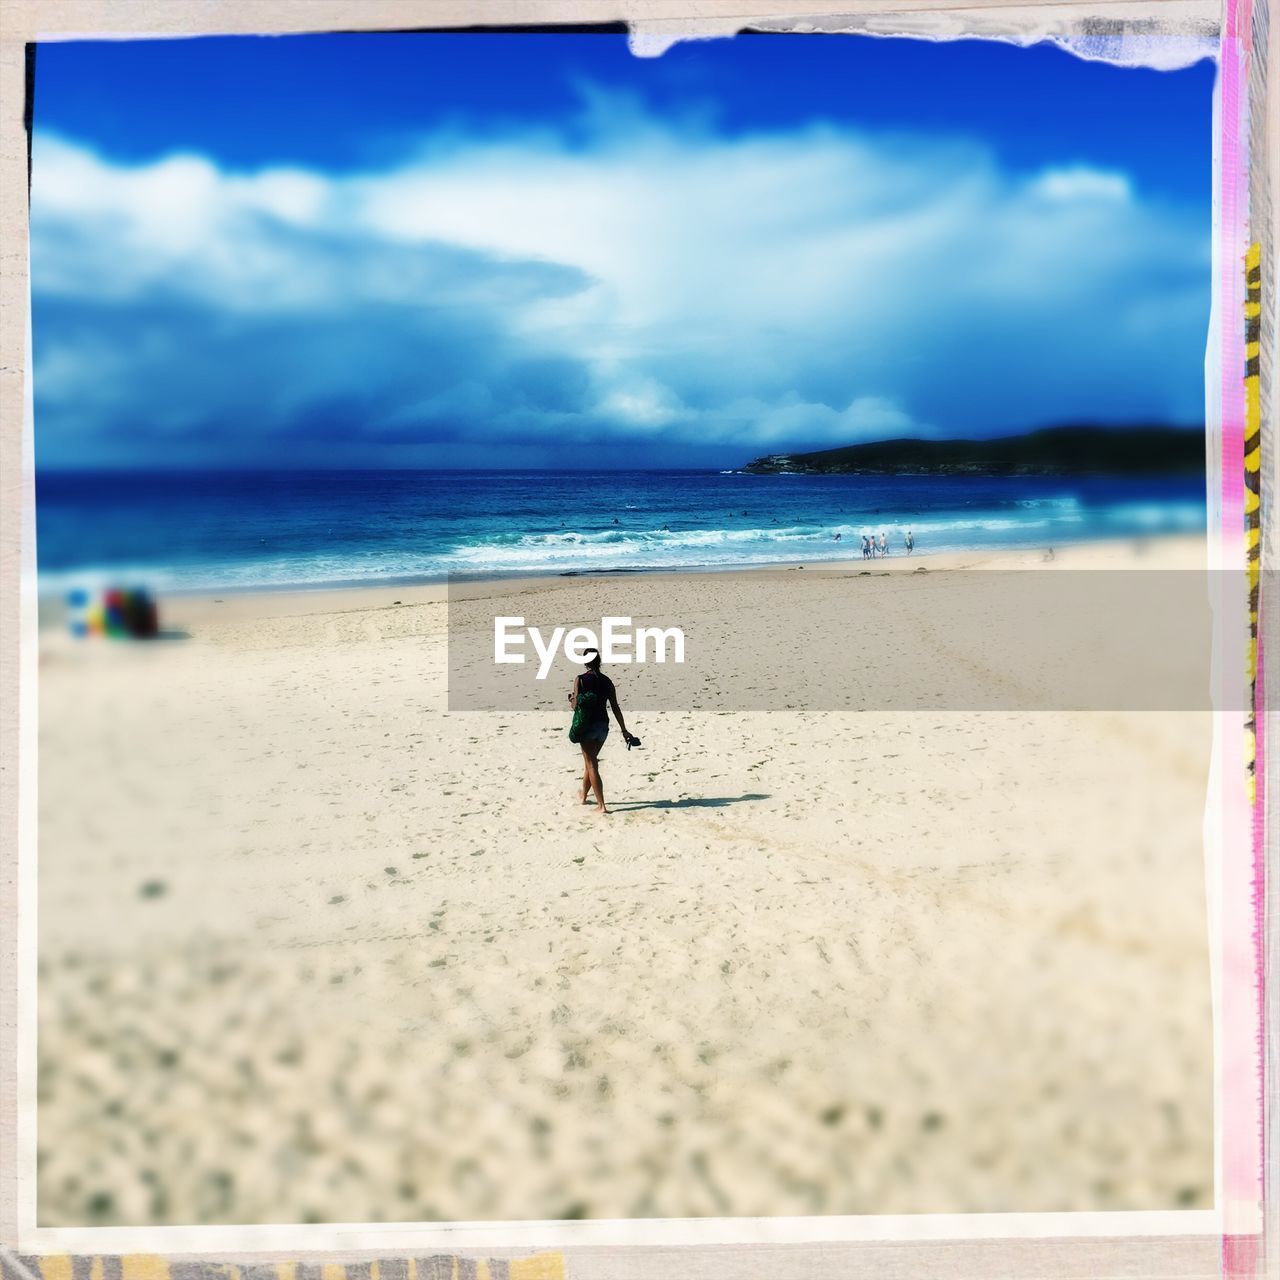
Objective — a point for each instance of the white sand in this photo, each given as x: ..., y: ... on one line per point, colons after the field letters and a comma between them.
x: 314, y: 949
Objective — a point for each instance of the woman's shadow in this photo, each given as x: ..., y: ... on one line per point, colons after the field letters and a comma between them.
x: 689, y: 802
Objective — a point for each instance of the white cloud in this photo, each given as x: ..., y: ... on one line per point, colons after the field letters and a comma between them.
x: 1082, y: 184
x: 819, y: 285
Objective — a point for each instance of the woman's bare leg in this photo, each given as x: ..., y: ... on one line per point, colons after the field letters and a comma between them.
x: 585, y: 793
x: 591, y: 750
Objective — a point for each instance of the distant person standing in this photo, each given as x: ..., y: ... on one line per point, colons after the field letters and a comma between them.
x: 910, y: 541
x: 866, y: 547
x: 884, y: 544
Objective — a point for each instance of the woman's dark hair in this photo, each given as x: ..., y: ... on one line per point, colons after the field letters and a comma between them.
x: 592, y: 657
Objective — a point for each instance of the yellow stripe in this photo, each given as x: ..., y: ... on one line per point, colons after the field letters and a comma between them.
x: 1252, y: 463
x: 542, y: 1266
x: 56, y: 1266
x: 334, y: 1271
x: 286, y: 1270
x: 143, y: 1266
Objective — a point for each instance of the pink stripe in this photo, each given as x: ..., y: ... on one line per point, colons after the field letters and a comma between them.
x: 1259, y: 899
x: 1241, y: 1099
x: 1240, y: 1257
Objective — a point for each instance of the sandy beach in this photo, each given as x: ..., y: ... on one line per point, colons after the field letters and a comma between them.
x: 314, y: 948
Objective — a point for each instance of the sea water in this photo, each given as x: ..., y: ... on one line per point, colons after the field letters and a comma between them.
x: 242, y: 530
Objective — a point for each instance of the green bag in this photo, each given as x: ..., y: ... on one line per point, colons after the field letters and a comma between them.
x: 583, y: 713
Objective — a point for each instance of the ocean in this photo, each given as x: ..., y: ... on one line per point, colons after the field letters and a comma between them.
x: 192, y: 531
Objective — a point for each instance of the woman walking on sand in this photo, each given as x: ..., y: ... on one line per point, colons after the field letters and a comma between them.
x: 592, y: 698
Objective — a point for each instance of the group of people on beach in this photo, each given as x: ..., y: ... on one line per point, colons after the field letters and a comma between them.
x: 874, y: 547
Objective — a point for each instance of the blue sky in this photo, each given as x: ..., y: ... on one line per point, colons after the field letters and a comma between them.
x: 540, y: 250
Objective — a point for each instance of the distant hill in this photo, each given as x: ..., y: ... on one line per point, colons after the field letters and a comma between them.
x: 1051, y: 451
